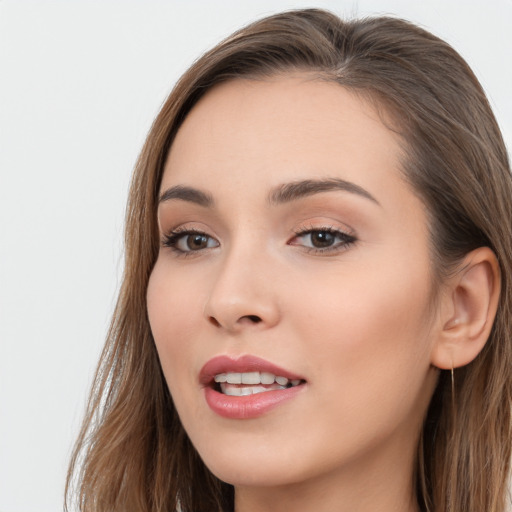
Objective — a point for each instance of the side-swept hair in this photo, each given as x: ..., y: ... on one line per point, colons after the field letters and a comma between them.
x: 133, y: 454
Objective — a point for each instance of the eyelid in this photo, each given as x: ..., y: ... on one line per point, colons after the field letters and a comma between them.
x: 346, y: 237
x: 343, y: 238
x: 172, y: 238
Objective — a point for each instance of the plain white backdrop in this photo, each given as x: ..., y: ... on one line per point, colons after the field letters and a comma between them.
x: 80, y: 83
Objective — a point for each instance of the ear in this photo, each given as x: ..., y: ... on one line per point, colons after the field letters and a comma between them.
x: 468, y: 307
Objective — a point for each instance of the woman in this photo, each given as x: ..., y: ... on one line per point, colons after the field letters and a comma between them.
x: 315, y: 311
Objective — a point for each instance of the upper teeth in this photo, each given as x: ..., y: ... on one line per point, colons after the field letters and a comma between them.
x: 254, y: 378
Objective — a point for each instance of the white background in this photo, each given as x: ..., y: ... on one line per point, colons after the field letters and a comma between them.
x: 80, y: 82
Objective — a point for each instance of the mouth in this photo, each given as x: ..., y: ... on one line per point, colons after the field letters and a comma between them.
x: 251, y: 383
x: 247, y: 387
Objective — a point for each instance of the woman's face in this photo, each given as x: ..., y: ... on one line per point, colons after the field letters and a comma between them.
x: 295, y: 259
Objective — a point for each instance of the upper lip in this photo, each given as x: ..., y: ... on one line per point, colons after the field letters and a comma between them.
x: 242, y: 364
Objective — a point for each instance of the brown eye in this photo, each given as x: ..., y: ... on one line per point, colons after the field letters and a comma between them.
x: 189, y: 241
x: 321, y: 239
x: 195, y: 242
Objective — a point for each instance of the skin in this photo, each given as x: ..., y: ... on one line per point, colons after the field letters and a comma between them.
x: 356, y: 322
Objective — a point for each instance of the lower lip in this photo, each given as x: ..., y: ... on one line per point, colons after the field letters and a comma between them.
x: 251, y: 406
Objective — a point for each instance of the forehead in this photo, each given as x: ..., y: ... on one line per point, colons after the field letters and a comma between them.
x: 265, y: 132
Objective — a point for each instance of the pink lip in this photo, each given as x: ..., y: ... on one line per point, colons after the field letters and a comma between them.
x: 224, y: 364
x: 244, y: 407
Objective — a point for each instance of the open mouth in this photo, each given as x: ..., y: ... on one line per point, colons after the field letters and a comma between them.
x: 251, y: 383
x: 247, y: 387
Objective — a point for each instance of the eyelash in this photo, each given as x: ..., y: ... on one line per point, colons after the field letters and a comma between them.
x: 346, y: 239
x: 172, y: 240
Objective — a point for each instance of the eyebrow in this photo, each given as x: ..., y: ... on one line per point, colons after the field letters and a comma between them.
x: 192, y: 195
x: 285, y: 193
x: 298, y: 189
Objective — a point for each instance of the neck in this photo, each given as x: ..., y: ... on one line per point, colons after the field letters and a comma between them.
x: 378, y: 484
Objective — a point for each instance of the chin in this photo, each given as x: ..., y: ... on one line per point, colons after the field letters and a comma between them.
x: 251, y: 464
x: 253, y: 474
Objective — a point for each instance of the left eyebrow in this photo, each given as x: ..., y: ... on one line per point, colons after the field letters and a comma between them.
x: 291, y: 191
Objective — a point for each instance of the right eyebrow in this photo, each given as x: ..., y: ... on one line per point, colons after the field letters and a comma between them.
x: 183, y: 193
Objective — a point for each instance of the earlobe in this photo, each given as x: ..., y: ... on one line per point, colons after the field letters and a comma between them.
x: 468, y: 310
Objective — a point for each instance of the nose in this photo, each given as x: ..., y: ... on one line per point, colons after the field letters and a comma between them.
x: 243, y: 295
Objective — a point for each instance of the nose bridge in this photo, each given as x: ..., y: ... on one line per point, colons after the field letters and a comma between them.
x: 242, y: 293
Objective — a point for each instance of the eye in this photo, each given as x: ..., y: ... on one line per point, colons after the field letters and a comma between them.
x: 189, y: 241
x: 323, y: 239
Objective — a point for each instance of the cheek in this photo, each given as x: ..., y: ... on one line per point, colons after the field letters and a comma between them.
x: 369, y: 335
x: 368, y: 353
x: 171, y: 303
x: 369, y: 305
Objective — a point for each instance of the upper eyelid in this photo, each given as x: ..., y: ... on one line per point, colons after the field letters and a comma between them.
x: 302, y: 226
x: 179, y: 232
x: 185, y: 227
x: 329, y: 228
x: 335, y: 231
x: 304, y: 229
x: 344, y: 230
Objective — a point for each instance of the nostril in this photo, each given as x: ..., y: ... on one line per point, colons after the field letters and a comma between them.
x: 214, y: 321
x: 249, y: 319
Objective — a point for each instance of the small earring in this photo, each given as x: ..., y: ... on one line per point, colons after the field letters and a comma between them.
x: 453, y: 390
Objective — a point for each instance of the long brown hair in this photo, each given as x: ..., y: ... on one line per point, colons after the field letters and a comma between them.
x: 133, y: 454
